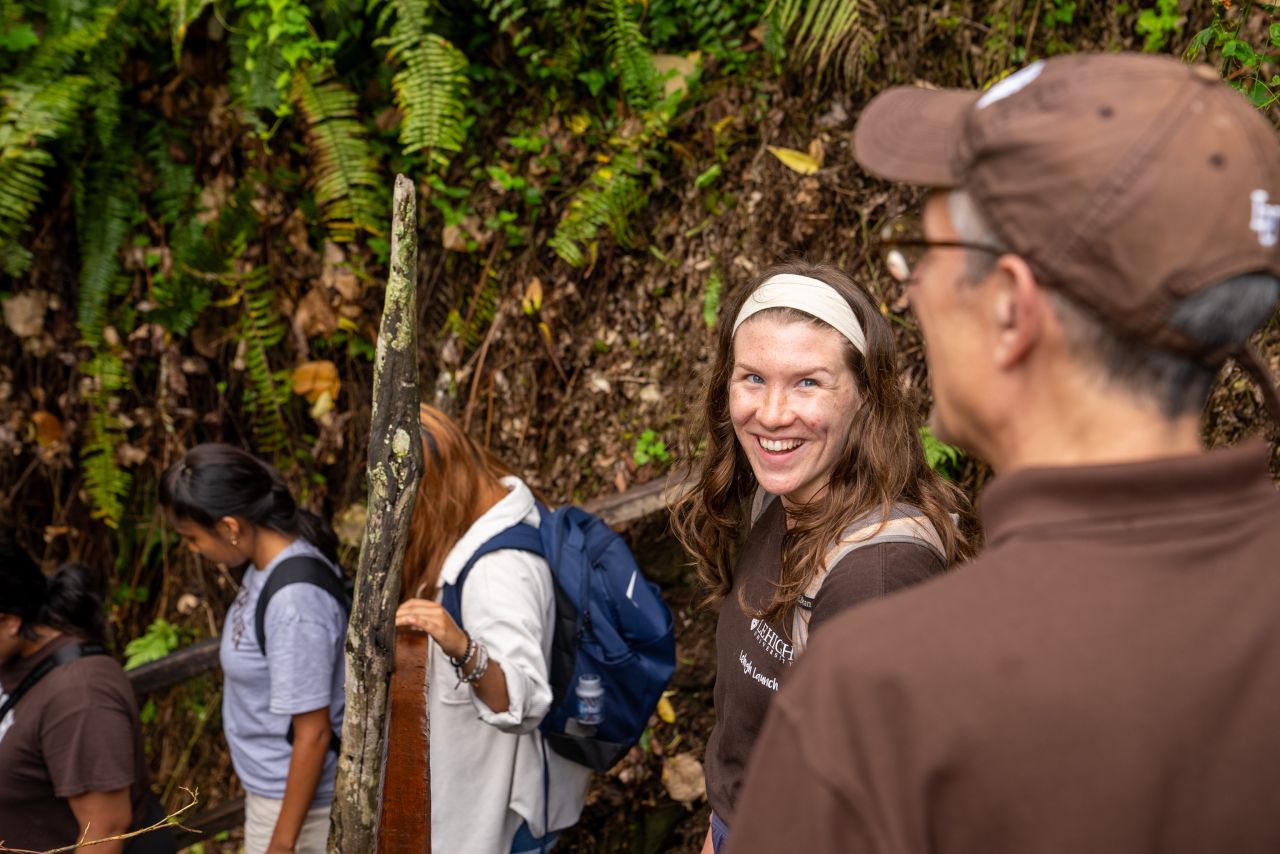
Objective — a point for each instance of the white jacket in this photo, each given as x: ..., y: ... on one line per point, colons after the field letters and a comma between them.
x: 486, y: 768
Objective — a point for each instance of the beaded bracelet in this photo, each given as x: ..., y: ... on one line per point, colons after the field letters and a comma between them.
x: 471, y: 650
x: 477, y: 673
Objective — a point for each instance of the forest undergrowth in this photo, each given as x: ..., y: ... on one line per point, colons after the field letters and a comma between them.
x: 194, y: 200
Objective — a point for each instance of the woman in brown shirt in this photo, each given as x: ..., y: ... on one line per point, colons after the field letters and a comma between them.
x: 811, y: 452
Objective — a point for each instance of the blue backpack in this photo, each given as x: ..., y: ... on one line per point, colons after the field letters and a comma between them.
x: 610, y: 622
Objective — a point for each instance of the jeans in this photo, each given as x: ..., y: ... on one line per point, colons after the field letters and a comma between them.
x: 719, y: 834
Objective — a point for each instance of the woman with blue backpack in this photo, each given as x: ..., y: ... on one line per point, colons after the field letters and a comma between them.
x: 282, y: 641
x: 496, y: 785
x: 813, y: 496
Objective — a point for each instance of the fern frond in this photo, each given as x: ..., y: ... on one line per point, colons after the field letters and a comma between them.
x: 609, y: 199
x: 106, y: 484
x: 345, y: 175
x: 430, y: 86
x: 836, y: 31
x: 266, y: 391
x: 106, y: 199
x: 641, y: 86
x: 33, y: 114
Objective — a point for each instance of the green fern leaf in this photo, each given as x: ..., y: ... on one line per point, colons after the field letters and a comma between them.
x: 430, y: 86
x: 641, y: 85
x: 609, y: 199
x: 267, y: 391
x: 345, y: 176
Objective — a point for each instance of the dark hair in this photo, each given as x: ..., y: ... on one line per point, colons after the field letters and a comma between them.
x: 68, y: 601
x: 213, y: 481
x: 882, y: 461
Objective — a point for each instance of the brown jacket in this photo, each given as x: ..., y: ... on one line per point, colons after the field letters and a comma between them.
x: 1104, y: 679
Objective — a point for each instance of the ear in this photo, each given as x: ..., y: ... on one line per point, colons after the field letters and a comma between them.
x: 1019, y: 311
x: 229, y: 528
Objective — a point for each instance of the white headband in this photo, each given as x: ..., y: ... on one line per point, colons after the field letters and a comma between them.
x: 812, y: 296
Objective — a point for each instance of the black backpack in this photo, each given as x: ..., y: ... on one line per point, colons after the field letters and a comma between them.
x: 303, y: 569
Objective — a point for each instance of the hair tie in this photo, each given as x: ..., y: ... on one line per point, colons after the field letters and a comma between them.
x: 812, y: 296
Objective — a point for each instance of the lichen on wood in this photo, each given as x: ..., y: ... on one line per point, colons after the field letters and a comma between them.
x: 395, y: 468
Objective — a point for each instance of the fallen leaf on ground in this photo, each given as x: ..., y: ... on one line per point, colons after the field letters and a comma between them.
x: 683, y: 66
x: 48, y: 428
x: 666, y: 711
x: 796, y: 161
x: 682, y: 775
x: 313, y: 379
x: 24, y: 313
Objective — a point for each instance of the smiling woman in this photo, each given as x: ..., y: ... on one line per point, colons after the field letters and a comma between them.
x: 803, y: 405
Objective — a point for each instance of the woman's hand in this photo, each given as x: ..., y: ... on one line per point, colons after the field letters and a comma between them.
x: 431, y: 617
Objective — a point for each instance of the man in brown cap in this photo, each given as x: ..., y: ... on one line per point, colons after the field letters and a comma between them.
x: 1105, y: 678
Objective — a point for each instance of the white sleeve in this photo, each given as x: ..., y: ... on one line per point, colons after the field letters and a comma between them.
x: 505, y: 601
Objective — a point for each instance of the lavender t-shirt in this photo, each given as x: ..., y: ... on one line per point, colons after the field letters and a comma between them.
x: 302, y: 671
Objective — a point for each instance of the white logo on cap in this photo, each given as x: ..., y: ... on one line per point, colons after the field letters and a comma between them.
x: 1265, y: 220
x: 1012, y: 84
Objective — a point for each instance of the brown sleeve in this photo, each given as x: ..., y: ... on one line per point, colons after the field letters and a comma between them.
x: 871, y: 572
x: 87, y: 732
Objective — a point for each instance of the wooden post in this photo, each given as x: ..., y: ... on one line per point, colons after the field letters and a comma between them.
x: 395, y: 468
x: 406, y: 803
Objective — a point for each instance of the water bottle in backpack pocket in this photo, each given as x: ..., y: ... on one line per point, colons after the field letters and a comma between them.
x: 613, y: 650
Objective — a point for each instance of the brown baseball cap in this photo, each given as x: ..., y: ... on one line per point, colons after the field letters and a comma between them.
x: 1127, y: 181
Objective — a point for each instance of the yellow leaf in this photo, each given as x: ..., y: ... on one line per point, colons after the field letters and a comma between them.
x: 48, y: 428
x: 546, y: 331
x: 602, y: 158
x: 579, y: 124
x: 315, y: 379
x: 532, y: 302
x: 719, y: 127
x: 322, y: 405
x: 666, y: 711
x: 796, y: 161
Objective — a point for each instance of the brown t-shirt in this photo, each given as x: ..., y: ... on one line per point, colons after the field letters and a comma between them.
x: 75, y: 731
x: 1104, y: 679
x: 753, y: 657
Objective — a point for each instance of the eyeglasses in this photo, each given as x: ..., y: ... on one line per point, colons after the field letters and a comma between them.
x: 903, y: 246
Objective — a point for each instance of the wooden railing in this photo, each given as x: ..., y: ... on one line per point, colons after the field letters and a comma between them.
x: 202, y: 657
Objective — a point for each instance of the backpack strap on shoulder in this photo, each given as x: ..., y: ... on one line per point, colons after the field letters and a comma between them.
x: 906, y: 524
x: 522, y: 537
x: 304, y: 569
x: 66, y: 655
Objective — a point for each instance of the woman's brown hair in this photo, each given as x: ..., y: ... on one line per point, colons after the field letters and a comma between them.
x: 460, y: 482
x: 882, y: 462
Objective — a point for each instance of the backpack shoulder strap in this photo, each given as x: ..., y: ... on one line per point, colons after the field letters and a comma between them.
x: 304, y: 569
x: 905, y: 525
x: 66, y: 655
x: 521, y: 537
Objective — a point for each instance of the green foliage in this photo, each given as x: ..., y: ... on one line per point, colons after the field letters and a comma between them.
x: 430, y: 86
x: 609, y: 198
x: 711, y: 299
x: 641, y: 86
x: 346, y: 178
x: 107, y: 484
x: 267, y: 392
x: 1159, y: 24
x: 274, y: 42
x: 160, y: 639
x: 838, y: 33
x: 1243, y: 64
x: 650, y: 448
x: 943, y: 458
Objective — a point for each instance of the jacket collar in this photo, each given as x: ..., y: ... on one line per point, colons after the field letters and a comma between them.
x: 518, y: 506
x: 1044, y: 499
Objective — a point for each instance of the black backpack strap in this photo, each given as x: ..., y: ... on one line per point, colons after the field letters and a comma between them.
x: 303, y: 569
x: 66, y: 655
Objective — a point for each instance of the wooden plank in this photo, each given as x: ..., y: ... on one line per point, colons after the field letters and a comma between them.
x: 187, y: 663
x: 406, y: 803
x: 395, y: 469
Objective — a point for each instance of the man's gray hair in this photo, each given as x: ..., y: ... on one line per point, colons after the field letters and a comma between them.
x: 1223, y: 314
